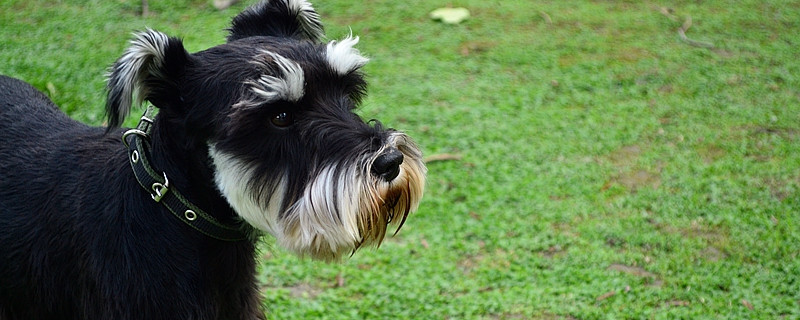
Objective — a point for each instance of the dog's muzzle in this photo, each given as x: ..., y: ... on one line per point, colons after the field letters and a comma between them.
x: 342, y: 205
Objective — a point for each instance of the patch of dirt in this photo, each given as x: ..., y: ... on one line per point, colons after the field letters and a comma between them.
x: 304, y: 290
x: 631, y: 54
x: 470, y: 263
x: 712, y: 254
x: 630, y: 175
x: 716, y: 238
x: 710, y: 153
x: 637, y: 179
x: 625, y: 156
x: 781, y: 189
x: 783, y: 132
x: 700, y: 229
x: 299, y: 290
x: 552, y: 251
x: 509, y: 316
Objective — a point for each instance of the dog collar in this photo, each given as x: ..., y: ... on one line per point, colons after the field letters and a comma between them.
x: 157, y: 185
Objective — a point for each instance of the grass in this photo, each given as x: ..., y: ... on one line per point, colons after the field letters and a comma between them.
x: 609, y: 169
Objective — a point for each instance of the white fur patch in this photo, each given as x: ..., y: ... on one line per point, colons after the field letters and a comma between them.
x: 144, y: 56
x: 319, y: 224
x: 342, y: 57
x: 233, y: 178
x: 324, y: 225
x: 287, y: 85
x: 307, y: 17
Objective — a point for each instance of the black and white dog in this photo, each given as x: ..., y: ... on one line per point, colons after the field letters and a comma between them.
x: 257, y: 135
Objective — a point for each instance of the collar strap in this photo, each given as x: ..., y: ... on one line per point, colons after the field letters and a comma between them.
x: 157, y: 185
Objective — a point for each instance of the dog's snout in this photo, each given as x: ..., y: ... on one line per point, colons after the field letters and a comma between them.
x: 387, y: 165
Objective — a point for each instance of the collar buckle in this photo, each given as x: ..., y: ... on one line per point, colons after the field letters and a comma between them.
x: 137, y: 142
x: 160, y: 189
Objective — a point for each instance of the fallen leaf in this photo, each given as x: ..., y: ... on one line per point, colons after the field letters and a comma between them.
x: 450, y: 15
x: 51, y: 89
x: 747, y: 304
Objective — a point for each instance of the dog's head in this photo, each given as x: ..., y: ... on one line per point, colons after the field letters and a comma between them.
x: 274, y: 109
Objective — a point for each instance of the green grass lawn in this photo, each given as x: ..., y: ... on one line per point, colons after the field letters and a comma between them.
x: 608, y: 168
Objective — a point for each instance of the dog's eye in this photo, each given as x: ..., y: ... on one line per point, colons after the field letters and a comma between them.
x: 282, y: 119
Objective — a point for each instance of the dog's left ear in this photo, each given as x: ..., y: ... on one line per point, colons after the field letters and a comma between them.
x: 148, y: 69
x: 278, y: 18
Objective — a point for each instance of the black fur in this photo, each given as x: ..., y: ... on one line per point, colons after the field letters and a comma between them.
x: 80, y: 239
x: 283, y: 21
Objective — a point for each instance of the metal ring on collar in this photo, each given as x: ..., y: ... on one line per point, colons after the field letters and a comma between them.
x: 190, y: 215
x: 130, y: 132
x: 135, y: 156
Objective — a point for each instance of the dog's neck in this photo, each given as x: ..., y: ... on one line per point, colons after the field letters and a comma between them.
x: 189, y: 168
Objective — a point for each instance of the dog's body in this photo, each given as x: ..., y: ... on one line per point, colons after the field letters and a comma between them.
x: 258, y: 132
x: 68, y: 252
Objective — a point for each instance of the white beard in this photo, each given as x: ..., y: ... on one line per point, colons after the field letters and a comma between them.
x: 339, y: 210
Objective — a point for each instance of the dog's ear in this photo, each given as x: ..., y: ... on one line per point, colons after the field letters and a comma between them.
x: 150, y: 66
x: 278, y: 18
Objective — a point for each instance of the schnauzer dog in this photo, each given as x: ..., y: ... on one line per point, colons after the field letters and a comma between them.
x: 257, y: 135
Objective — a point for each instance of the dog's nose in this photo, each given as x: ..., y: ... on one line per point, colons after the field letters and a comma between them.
x: 387, y: 165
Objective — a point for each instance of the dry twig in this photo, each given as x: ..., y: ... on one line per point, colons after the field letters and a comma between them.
x: 668, y: 12
x: 546, y: 17
x: 682, y: 32
x: 442, y: 157
x: 606, y: 295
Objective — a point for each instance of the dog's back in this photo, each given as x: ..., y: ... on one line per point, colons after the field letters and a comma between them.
x: 29, y: 118
x: 38, y: 140
x: 21, y: 106
x: 42, y: 152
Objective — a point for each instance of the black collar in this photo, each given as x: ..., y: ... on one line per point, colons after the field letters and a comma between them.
x: 157, y: 185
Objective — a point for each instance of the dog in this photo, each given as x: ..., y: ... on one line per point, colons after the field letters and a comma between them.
x: 255, y: 136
